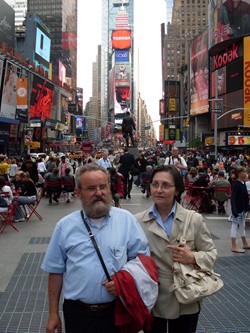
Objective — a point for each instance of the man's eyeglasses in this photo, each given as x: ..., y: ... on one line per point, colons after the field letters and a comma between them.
x: 163, y: 186
x: 93, y: 189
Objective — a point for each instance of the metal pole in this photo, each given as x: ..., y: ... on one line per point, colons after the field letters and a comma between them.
x: 216, y: 116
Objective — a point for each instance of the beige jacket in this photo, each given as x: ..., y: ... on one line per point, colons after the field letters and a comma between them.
x: 198, y: 239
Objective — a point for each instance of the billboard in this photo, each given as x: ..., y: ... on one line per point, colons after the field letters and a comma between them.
x: 172, y: 96
x: 121, y: 39
x: 199, y: 75
x: 8, y: 105
x: 247, y: 81
x: 79, y: 123
x: 7, y: 24
x: 41, y: 99
x: 121, y: 56
x: 69, y: 40
x: 228, y: 19
x: 122, y: 75
x: 42, y: 46
x: 61, y: 72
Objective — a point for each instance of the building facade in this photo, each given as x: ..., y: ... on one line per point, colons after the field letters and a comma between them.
x: 61, y: 18
x: 116, y: 16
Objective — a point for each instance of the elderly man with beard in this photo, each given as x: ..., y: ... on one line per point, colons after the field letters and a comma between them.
x: 73, y: 264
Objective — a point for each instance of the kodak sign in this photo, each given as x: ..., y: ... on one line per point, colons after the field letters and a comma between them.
x: 246, y: 81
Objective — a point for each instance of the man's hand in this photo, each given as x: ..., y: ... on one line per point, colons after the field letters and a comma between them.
x: 54, y: 324
x: 110, y: 286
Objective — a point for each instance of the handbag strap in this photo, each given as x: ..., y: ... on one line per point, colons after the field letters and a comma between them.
x: 182, y: 238
x: 91, y: 235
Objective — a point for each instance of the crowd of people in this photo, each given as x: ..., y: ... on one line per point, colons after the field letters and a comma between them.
x: 91, y: 272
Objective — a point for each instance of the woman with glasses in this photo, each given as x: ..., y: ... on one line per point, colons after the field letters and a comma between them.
x: 163, y: 224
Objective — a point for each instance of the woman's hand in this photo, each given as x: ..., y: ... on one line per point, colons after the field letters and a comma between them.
x: 182, y: 254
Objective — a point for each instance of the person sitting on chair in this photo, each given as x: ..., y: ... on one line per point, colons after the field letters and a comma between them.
x: 116, y: 185
x: 221, y: 196
x: 55, y: 188
x: 27, y: 195
x: 68, y: 182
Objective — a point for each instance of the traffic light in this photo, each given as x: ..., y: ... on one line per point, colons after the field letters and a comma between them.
x: 187, y: 122
x: 66, y: 120
x: 239, y: 131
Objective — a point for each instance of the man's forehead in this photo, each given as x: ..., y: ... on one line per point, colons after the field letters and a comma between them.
x: 92, y: 175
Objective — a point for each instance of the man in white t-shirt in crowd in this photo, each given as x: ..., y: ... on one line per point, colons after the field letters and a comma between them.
x: 177, y: 160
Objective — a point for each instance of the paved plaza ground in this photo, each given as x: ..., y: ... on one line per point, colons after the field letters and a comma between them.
x: 23, y: 285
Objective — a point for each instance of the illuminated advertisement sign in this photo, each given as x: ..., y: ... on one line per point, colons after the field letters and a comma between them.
x: 247, y: 81
x: 234, y: 139
x: 1, y: 71
x: 121, y: 39
x: 228, y: 19
x: 172, y: 96
x: 41, y: 99
x: 161, y: 107
x: 42, y: 47
x: 199, y: 75
x: 122, y: 75
x: 121, y: 56
x: 79, y: 123
x: 69, y: 40
x: 161, y: 132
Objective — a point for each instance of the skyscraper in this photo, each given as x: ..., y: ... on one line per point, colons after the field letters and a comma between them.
x: 116, y: 15
x: 189, y: 18
x: 61, y: 18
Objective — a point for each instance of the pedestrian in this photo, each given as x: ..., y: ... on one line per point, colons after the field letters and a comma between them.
x: 140, y: 165
x: 163, y: 224
x: 128, y: 125
x: 127, y: 164
x: 68, y: 184
x: 62, y: 166
x: 178, y: 161
x: 72, y: 262
x: 240, y: 207
x: 104, y: 161
x: 116, y: 186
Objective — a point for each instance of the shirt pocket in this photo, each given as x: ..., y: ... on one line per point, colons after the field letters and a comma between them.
x: 116, y: 258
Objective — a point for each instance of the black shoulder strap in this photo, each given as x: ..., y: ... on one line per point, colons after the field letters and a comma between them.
x: 96, y: 247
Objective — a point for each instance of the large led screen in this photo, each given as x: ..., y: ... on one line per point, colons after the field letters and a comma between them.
x: 42, y: 48
x: 199, y: 75
x: 121, y: 39
x: 41, y: 98
x: 228, y: 19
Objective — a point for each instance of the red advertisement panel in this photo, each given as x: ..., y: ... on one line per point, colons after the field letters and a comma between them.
x: 199, y: 75
x: 41, y: 98
x: 228, y: 19
x: 121, y: 39
x: 69, y: 40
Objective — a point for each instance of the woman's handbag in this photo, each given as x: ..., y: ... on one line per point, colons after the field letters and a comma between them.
x: 192, y: 285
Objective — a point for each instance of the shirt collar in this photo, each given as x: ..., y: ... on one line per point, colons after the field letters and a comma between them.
x: 154, y: 213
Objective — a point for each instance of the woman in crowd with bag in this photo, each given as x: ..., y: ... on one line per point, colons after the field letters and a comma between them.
x: 240, y: 207
x: 163, y: 224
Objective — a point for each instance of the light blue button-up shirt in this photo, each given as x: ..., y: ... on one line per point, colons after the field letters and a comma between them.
x: 105, y: 163
x: 168, y: 222
x: 71, y: 252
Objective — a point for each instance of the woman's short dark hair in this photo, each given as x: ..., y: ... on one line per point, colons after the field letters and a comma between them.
x: 178, y: 180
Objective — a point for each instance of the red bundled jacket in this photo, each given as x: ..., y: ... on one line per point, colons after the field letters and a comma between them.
x: 131, y: 313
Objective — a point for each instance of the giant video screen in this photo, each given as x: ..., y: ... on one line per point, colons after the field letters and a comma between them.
x: 41, y: 100
x: 42, y: 48
x: 228, y: 19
